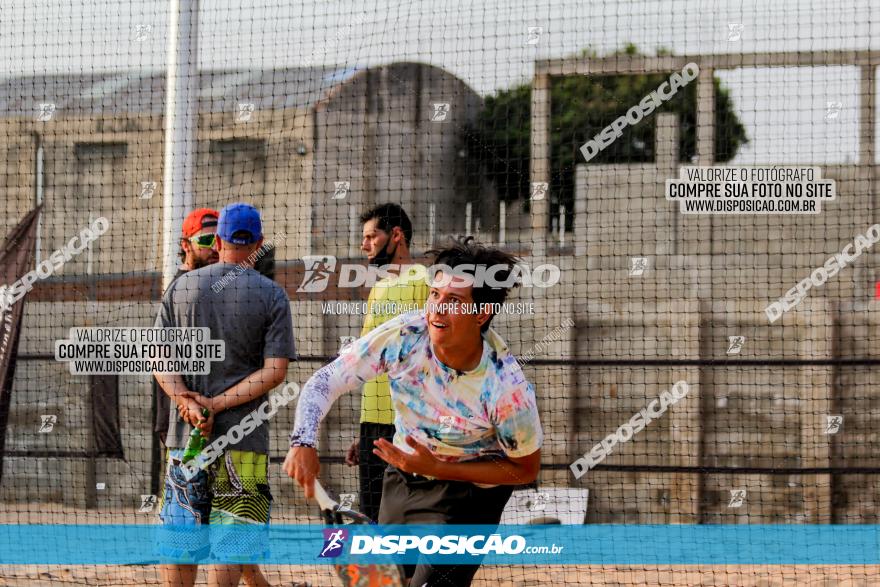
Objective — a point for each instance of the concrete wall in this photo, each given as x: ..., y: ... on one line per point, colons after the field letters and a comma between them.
x: 46, y: 387
x: 94, y: 169
x: 375, y: 132
x: 710, y: 277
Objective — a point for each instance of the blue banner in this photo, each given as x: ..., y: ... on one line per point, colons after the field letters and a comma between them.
x: 495, y: 545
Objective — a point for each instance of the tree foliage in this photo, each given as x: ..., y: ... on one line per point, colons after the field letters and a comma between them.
x: 581, y: 107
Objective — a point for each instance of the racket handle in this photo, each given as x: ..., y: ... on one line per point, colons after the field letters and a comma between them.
x: 324, y: 500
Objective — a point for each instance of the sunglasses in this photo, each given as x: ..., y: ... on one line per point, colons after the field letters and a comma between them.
x: 204, y: 241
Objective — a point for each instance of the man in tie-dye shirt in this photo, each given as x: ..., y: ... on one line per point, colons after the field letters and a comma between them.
x: 467, y: 426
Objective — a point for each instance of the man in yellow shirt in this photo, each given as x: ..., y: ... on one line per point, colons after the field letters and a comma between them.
x: 387, y: 234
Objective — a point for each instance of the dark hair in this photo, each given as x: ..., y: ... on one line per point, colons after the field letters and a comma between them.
x: 467, y: 251
x: 388, y: 216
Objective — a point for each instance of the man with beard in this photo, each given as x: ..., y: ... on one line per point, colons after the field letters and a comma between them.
x: 251, y: 314
x: 387, y: 235
x: 197, y: 249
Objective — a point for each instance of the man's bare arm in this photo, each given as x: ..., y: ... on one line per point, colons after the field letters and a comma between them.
x: 255, y: 385
x: 499, y: 471
x: 174, y: 387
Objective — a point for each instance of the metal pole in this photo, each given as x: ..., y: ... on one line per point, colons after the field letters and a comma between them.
x: 39, y: 196
x: 181, y: 117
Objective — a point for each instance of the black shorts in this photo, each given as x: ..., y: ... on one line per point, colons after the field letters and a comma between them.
x: 411, y: 499
x: 371, y: 467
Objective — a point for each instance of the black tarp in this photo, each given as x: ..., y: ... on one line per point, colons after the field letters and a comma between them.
x: 104, y: 391
x: 16, y: 259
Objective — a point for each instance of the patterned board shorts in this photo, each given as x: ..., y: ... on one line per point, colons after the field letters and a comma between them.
x: 232, y: 491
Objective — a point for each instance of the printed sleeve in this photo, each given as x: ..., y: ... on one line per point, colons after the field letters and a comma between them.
x: 366, y: 358
x: 279, y: 341
x: 515, y: 412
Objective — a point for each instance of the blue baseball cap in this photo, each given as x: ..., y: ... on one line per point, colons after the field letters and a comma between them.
x: 240, y: 224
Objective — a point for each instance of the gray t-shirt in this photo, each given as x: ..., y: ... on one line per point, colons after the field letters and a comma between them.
x: 251, y: 314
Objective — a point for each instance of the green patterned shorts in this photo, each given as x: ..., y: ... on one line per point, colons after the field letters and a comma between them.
x: 232, y: 491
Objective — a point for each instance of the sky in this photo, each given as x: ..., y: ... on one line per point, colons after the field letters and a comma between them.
x: 484, y: 42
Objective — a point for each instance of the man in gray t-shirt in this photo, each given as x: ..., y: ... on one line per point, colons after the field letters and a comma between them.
x: 251, y: 315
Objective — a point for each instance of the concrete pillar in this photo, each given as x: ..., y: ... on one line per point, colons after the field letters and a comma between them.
x: 667, y: 160
x: 580, y: 211
x: 706, y: 117
x: 666, y: 141
x: 685, y: 418
x: 816, y: 327
x: 540, y: 170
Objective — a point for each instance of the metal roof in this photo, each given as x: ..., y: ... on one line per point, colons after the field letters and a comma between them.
x: 140, y: 92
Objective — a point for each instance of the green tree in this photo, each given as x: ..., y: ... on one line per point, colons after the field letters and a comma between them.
x: 581, y: 107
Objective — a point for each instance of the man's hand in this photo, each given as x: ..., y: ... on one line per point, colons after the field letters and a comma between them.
x: 212, y: 403
x: 190, y: 406
x: 302, y: 466
x: 352, y: 457
x: 421, y: 462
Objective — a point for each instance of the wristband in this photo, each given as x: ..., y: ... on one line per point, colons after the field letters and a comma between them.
x: 295, y: 441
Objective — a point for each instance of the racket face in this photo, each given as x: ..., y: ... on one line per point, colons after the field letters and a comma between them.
x: 354, y: 516
x: 355, y: 575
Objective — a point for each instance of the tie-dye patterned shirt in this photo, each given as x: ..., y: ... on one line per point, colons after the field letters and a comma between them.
x: 458, y: 415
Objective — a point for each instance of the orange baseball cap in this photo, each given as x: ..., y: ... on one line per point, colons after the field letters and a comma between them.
x: 196, y: 221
